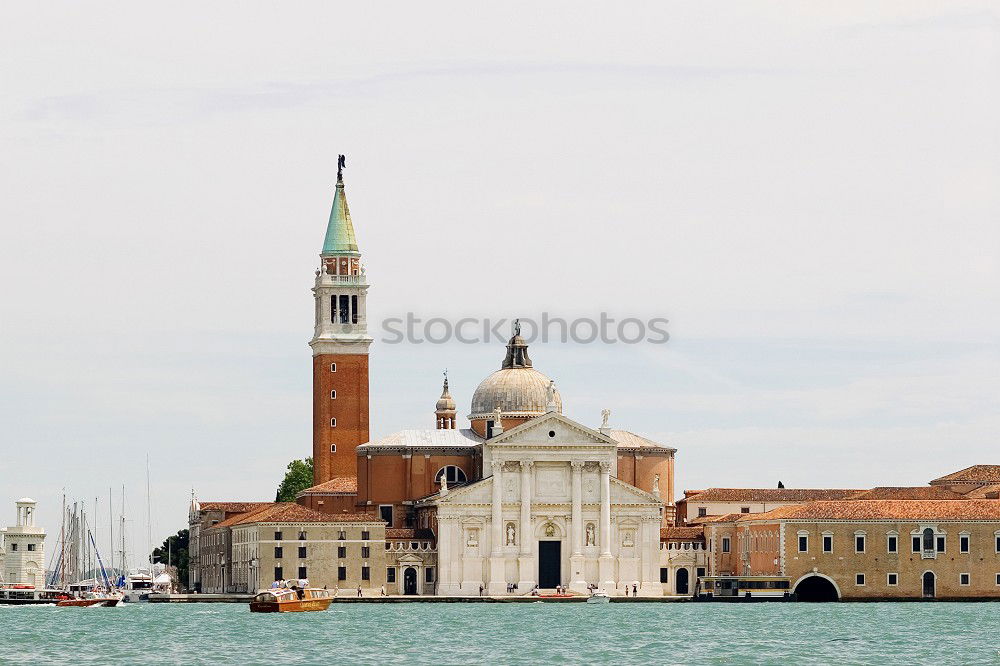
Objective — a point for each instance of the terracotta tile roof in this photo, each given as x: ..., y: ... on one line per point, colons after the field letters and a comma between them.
x: 685, y: 533
x: 240, y: 516
x: 230, y: 507
x: 341, y: 484
x: 984, y: 492
x: 770, y: 494
x: 724, y: 518
x: 963, y: 509
x: 290, y: 512
x: 914, y: 493
x: 973, y: 474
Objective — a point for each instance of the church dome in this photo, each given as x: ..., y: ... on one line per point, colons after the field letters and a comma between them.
x: 516, y: 388
x: 517, y: 391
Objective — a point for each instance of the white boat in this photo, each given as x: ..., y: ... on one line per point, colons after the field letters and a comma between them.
x: 23, y: 595
x: 138, y: 586
x: 598, y: 598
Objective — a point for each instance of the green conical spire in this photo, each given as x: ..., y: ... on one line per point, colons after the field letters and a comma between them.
x: 340, y: 232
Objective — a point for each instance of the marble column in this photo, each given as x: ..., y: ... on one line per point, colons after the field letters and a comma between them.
x: 606, y: 561
x: 577, y: 466
x: 497, y: 583
x: 525, y: 533
x: 578, y: 580
x: 496, y: 528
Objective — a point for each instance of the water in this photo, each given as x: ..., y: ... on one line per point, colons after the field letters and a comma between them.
x: 469, y: 633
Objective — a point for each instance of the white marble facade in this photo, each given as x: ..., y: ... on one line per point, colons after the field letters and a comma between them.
x: 548, y: 481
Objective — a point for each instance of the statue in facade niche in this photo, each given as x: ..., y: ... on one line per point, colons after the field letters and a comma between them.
x: 629, y: 539
x: 511, y: 535
x: 656, y: 484
x: 591, y: 536
x: 473, y: 539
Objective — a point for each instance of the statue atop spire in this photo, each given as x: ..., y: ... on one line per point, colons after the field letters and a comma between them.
x: 341, y: 163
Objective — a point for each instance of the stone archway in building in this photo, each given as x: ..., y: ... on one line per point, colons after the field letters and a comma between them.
x: 929, y: 585
x: 409, y: 580
x: 816, y: 587
x: 682, y: 581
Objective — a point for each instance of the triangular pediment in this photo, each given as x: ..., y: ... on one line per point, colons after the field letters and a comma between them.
x: 480, y: 492
x: 626, y: 493
x: 551, y: 429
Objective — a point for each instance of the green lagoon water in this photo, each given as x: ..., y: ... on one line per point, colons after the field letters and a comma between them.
x: 540, y: 633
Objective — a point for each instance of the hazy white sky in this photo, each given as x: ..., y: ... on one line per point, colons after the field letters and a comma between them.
x: 809, y: 193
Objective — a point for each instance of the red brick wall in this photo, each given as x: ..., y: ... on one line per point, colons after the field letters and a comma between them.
x: 350, y: 408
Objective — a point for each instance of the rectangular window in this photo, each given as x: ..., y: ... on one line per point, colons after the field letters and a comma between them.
x: 859, y: 579
x: 277, y: 552
x: 702, y: 512
x: 31, y: 547
x: 343, y: 535
x: 916, y: 544
x: 664, y: 574
x: 341, y: 552
x: 429, y: 574
x: 354, y: 309
x: 385, y: 512
x: 343, y: 309
x: 827, y: 543
x: 940, y: 544
x: 341, y: 573
x: 365, y: 535
x: 302, y: 572
x: 963, y: 543
x: 700, y: 572
x: 333, y: 367
x: 366, y: 573
x: 13, y: 546
x: 859, y: 543
x: 333, y: 395
x: 892, y: 579
x: 893, y: 544
x: 998, y: 579
x: 333, y: 448
x: 744, y: 509
x: 302, y: 552
x: 390, y: 574
x: 803, y: 543
x: 725, y: 544
x: 366, y: 552
x: 963, y: 579
x: 302, y: 535
x: 277, y: 536
x: 998, y: 544
x: 333, y: 423
x: 278, y: 574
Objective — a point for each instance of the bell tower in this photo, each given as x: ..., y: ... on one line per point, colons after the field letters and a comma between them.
x: 340, y: 346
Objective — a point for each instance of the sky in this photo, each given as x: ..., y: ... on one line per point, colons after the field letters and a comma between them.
x: 806, y: 191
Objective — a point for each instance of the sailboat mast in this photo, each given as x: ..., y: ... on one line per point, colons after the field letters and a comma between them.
x: 62, y: 544
x: 111, y: 532
x: 149, y: 521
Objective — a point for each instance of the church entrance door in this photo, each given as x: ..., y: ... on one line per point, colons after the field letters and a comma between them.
x: 549, y: 562
x: 410, y: 581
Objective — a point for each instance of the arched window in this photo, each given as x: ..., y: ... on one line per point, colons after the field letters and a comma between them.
x: 453, y: 473
x: 928, y: 539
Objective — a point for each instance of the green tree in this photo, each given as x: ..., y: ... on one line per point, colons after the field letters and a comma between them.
x: 175, y: 548
x: 298, y: 477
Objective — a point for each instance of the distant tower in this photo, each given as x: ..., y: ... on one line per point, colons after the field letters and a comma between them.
x: 444, y: 411
x: 340, y: 347
x: 22, y: 554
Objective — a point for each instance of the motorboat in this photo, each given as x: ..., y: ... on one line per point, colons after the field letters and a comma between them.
x: 291, y: 600
x: 22, y: 595
x: 599, y: 598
